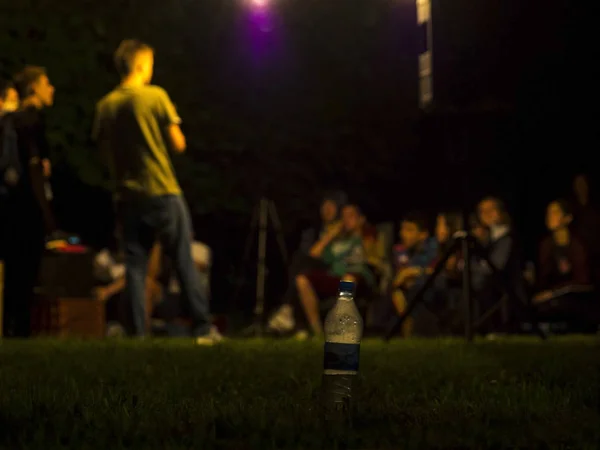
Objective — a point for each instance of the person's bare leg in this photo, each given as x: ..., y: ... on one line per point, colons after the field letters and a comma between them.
x: 399, y: 300
x: 310, y: 303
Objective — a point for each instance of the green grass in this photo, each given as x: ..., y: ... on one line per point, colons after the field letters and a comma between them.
x: 264, y: 394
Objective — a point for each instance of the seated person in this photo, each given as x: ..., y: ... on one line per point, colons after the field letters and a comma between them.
x: 450, y: 284
x: 565, y: 290
x: 563, y: 259
x: 341, y: 250
x: 414, y: 258
x: 447, y: 284
x: 447, y: 224
x: 283, y: 320
x: 502, y: 251
x: 168, y: 310
x: 478, y: 230
x: 111, y: 276
x: 493, y: 216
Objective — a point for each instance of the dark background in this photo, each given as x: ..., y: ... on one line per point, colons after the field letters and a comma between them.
x: 326, y: 98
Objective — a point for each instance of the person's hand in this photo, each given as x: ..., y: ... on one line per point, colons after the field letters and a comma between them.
x: 542, y: 297
x: 99, y: 294
x: 415, y: 271
x: 46, y: 167
x: 335, y: 229
x: 406, y: 274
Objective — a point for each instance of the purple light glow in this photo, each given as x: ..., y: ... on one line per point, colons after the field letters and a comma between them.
x: 261, y: 33
x: 261, y: 20
x: 259, y: 3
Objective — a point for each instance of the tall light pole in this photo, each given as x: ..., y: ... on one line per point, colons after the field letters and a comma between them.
x: 425, y: 53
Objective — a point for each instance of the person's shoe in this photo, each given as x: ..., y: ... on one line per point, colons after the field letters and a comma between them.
x: 211, y: 338
x: 304, y: 335
x: 495, y: 336
x: 115, y: 330
x: 283, y: 320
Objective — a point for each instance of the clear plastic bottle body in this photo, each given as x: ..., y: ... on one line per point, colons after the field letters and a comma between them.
x: 343, y: 333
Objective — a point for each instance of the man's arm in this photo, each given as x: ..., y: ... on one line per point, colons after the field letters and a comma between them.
x: 177, y: 138
x: 170, y: 121
x: 317, y: 249
x: 43, y: 148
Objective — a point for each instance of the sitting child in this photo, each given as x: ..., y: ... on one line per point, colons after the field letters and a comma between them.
x: 413, y: 260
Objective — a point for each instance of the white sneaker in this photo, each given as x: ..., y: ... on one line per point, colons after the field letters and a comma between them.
x: 115, y: 330
x: 302, y: 335
x: 282, y: 320
x: 211, y: 338
x: 495, y: 336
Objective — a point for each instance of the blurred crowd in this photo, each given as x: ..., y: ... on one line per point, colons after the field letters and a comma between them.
x: 509, y: 292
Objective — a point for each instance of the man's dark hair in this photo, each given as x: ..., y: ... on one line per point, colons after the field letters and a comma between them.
x: 338, y: 197
x: 501, y: 207
x: 126, y: 53
x: 419, y: 219
x: 354, y: 206
x: 5, y: 86
x: 26, y: 78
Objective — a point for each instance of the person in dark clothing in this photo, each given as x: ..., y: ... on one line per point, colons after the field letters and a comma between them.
x: 500, y: 243
x: 563, y: 258
x: 9, y: 102
x: 9, y: 97
x: 447, y: 224
x: 283, y: 320
x: 447, y: 285
x: 586, y: 223
x: 502, y: 252
x: 28, y: 215
x: 564, y: 291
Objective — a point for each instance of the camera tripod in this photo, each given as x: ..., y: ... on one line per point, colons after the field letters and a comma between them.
x: 468, y: 246
x: 259, y: 226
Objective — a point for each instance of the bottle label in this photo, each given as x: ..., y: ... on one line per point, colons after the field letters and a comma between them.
x: 341, y: 356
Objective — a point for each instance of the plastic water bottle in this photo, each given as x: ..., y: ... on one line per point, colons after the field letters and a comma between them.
x: 343, y: 333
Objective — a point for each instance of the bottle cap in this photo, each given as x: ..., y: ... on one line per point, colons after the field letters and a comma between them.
x: 347, y: 287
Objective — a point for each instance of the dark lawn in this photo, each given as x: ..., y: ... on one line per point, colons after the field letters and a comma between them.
x: 263, y: 394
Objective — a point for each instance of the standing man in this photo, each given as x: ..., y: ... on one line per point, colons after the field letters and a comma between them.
x: 27, y: 215
x: 133, y: 126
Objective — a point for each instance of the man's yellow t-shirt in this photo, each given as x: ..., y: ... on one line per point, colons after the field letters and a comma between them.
x: 130, y: 126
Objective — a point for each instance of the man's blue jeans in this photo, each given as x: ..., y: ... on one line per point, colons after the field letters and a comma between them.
x: 165, y: 219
